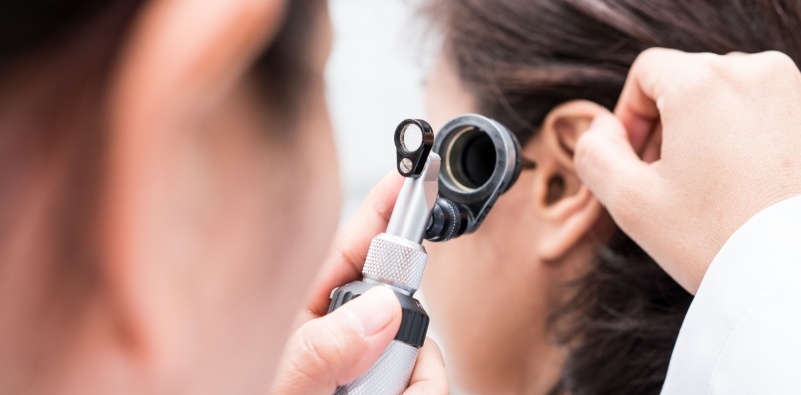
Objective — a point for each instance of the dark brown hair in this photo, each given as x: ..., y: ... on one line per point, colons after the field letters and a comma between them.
x: 521, y: 58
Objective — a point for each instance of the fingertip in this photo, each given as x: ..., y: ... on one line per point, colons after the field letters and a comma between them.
x: 602, y: 120
x: 350, y: 246
x: 652, y: 72
x: 375, y: 211
x: 429, y: 375
x: 382, y: 197
x: 604, y: 159
x: 385, y: 296
x: 606, y: 130
x: 433, y: 352
x: 588, y: 148
x: 376, y: 312
x: 336, y: 349
x: 392, y: 177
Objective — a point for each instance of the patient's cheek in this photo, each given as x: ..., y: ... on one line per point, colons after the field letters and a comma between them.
x: 487, y: 295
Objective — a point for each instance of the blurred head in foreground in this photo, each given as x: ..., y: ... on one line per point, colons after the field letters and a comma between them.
x: 168, y: 187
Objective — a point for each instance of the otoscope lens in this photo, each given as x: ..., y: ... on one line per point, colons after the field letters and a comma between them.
x: 478, y: 160
x: 471, y: 159
x: 411, y: 137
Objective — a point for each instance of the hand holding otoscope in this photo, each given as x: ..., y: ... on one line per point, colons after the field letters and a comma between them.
x: 447, y: 192
x: 478, y: 160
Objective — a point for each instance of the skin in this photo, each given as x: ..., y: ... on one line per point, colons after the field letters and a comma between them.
x: 332, y: 350
x: 202, y: 268
x: 698, y: 188
x: 490, y: 292
x: 205, y: 210
x: 645, y: 161
x: 215, y: 213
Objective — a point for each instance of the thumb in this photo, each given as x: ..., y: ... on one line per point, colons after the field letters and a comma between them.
x: 338, y: 348
x: 608, y: 165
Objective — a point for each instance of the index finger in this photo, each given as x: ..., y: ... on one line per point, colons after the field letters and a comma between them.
x: 639, y: 105
x: 349, y: 250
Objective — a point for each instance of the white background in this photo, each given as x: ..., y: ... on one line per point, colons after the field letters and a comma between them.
x: 375, y: 80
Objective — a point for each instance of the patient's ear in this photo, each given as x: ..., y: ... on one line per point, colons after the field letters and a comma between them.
x: 567, y: 208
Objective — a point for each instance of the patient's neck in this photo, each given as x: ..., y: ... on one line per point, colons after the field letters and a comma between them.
x: 523, y: 358
x: 533, y: 361
x: 539, y: 366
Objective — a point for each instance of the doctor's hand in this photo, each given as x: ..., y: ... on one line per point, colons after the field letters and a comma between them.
x: 332, y: 350
x: 698, y: 144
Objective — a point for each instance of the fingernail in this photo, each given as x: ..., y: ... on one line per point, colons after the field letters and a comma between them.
x: 374, y: 310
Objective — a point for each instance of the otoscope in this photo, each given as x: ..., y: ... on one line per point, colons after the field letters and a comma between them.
x: 451, y: 184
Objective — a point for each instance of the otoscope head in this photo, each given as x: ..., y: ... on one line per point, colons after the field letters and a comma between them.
x: 480, y: 161
x: 413, y: 141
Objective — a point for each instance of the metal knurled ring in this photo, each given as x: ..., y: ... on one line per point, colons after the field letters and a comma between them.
x: 393, y: 260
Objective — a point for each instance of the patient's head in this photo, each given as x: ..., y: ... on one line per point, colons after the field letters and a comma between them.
x: 168, y: 188
x: 548, y: 295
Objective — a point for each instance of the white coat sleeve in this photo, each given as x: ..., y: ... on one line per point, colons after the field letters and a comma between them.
x: 742, y: 333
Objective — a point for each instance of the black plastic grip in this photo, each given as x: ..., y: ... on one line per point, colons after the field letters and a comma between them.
x: 414, y: 321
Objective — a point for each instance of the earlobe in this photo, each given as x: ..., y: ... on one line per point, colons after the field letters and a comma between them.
x: 574, y: 216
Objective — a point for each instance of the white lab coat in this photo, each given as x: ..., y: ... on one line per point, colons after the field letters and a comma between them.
x: 742, y: 334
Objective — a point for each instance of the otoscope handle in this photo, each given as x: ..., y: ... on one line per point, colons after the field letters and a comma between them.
x: 398, y: 264
x: 396, y: 260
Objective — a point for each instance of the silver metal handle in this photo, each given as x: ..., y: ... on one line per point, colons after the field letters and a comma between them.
x: 390, y: 375
x: 398, y: 263
x: 396, y: 259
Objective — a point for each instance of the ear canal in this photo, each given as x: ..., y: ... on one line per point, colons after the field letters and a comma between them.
x: 556, y: 189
